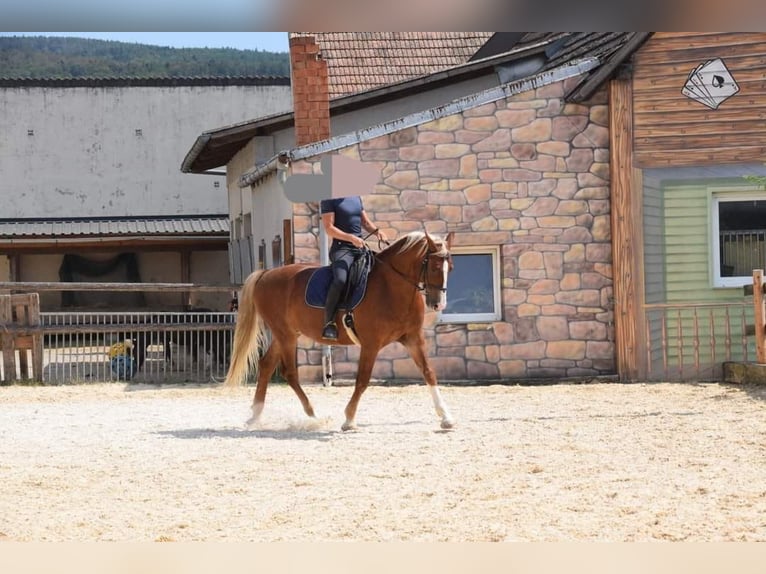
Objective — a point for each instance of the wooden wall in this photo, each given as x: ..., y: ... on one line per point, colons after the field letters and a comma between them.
x: 671, y: 129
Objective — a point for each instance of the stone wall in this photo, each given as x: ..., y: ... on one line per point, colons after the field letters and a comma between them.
x: 529, y: 173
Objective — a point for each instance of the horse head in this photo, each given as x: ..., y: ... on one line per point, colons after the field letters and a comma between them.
x: 437, y: 264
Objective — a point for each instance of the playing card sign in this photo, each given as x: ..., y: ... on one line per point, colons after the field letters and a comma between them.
x: 710, y: 84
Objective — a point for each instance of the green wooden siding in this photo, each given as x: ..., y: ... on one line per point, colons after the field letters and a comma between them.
x: 677, y: 250
x: 688, y: 247
x: 654, y: 244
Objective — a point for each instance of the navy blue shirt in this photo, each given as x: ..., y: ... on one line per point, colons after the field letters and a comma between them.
x: 348, y: 214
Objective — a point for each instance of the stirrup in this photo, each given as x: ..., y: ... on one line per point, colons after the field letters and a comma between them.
x: 330, y: 331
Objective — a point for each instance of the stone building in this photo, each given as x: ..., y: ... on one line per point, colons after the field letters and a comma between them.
x: 517, y: 165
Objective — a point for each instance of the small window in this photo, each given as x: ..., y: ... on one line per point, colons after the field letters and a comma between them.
x: 739, y: 238
x: 473, y: 286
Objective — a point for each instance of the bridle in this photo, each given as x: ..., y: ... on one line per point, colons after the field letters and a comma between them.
x: 422, y: 283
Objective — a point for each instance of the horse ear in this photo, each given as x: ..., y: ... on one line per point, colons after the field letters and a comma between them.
x: 448, y: 239
x: 431, y: 243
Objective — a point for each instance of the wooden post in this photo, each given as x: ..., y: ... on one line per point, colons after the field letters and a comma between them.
x: 186, y: 301
x: 760, y: 318
x: 21, y: 313
x: 37, y: 339
x: 626, y: 199
x: 287, y: 241
x: 6, y: 318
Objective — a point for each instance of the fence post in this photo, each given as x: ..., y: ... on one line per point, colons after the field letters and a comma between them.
x: 760, y: 317
x: 21, y: 311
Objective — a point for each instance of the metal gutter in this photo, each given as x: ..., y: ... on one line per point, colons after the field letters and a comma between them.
x: 350, y: 102
x: 456, y: 106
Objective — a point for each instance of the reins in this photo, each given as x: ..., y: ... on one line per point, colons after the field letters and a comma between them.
x: 422, y: 281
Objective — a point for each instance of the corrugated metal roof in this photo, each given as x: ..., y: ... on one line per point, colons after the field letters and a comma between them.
x: 118, y: 82
x: 209, y: 225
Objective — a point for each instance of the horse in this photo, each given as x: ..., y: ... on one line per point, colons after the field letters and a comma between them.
x: 392, y: 310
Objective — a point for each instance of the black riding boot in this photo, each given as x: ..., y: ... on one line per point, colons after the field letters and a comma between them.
x: 330, y: 331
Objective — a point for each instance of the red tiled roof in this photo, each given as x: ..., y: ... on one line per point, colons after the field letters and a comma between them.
x: 360, y: 61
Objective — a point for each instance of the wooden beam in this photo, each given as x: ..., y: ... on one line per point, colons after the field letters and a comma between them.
x: 287, y: 241
x: 94, y: 286
x: 626, y: 197
x: 590, y: 85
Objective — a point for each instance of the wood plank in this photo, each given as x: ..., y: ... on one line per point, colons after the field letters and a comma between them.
x: 659, y: 45
x: 722, y: 131
x: 95, y: 286
x: 700, y: 143
x: 37, y: 339
x: 287, y: 234
x: 644, y: 62
x: 649, y: 156
x: 751, y: 92
x: 21, y: 317
x: 760, y: 317
x: 646, y: 119
x: 745, y: 71
x: 750, y: 104
x: 626, y: 232
x: 6, y: 338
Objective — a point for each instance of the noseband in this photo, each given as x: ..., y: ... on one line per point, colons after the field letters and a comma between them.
x: 422, y: 282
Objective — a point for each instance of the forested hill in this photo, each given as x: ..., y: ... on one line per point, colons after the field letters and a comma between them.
x: 64, y: 57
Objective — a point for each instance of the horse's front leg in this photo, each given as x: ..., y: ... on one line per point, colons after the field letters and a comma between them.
x: 416, y: 345
x: 367, y: 358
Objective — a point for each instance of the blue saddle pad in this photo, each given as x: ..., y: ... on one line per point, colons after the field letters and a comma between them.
x: 319, y: 285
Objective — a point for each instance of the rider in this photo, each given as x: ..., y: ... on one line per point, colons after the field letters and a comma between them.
x: 343, y: 219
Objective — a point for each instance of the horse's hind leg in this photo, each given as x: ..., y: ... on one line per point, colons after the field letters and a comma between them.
x: 416, y: 346
x: 291, y: 375
x: 266, y: 367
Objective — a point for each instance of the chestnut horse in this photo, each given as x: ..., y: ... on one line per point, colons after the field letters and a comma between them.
x: 392, y: 310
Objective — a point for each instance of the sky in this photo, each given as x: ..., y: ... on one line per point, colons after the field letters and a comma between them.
x: 269, y: 41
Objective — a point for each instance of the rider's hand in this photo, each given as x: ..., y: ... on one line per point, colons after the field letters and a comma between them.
x: 359, y: 242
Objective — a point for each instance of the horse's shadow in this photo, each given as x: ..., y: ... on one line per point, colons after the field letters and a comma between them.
x: 233, y: 433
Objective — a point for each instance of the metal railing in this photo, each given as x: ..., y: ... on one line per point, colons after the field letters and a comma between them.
x: 166, y: 347
x: 742, y: 251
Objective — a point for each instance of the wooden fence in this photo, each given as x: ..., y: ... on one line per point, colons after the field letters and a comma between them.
x: 23, y: 333
x: 21, y: 336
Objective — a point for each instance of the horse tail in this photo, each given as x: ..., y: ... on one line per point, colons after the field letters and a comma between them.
x: 249, y: 334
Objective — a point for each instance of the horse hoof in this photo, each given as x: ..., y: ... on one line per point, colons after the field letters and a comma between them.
x: 251, y: 424
x: 348, y: 427
x: 447, y: 424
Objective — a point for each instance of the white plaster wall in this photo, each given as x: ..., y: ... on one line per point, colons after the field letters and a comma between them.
x: 269, y: 208
x: 86, y: 159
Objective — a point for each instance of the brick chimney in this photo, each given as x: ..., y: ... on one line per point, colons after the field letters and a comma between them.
x: 311, y: 99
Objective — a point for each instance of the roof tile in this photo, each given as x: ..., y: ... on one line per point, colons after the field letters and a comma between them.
x: 360, y: 61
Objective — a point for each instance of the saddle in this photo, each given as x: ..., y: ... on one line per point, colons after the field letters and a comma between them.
x: 356, y: 286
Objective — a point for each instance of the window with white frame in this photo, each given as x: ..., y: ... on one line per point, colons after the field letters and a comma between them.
x: 739, y: 237
x: 473, y: 286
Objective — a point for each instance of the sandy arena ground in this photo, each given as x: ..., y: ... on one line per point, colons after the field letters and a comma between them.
x: 595, y: 462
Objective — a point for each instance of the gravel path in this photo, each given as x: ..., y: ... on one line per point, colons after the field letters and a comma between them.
x: 596, y: 462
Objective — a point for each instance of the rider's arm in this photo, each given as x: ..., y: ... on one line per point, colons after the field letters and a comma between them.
x: 328, y: 220
x: 370, y: 226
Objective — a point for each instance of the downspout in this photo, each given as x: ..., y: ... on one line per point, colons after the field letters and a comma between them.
x: 282, y: 166
x: 324, y: 259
